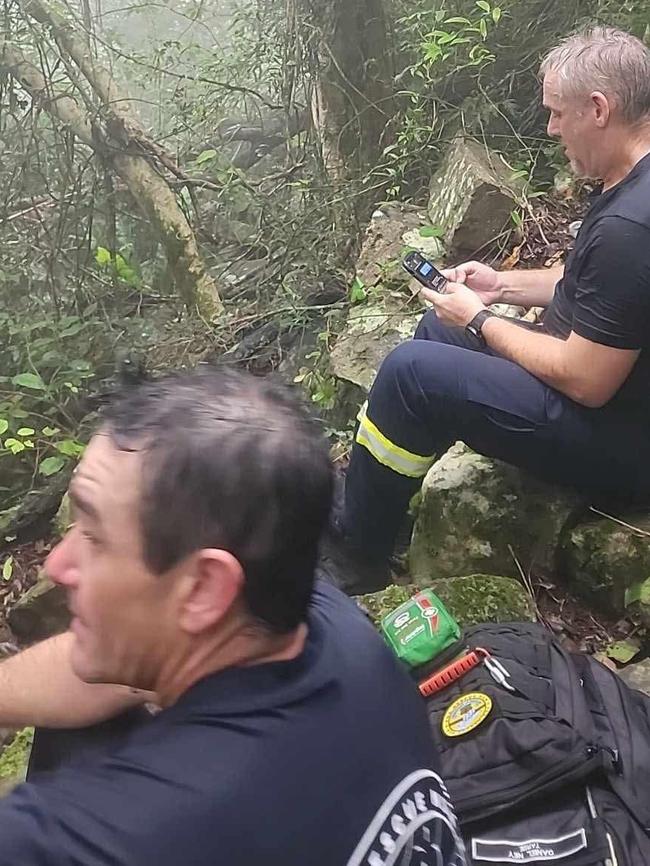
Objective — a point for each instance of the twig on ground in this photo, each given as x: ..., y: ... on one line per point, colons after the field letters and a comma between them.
x: 620, y: 522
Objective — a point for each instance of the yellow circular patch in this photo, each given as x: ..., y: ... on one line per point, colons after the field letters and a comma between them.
x: 465, y: 714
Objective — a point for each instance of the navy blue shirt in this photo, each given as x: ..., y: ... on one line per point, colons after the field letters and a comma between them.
x: 604, y: 295
x: 325, y: 760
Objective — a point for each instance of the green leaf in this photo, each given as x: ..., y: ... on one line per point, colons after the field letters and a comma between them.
x: 457, y: 20
x: 431, y: 232
x: 51, y: 465
x: 72, y: 330
x: 14, y: 445
x: 50, y: 431
x: 25, y: 431
x: 4, y: 425
x: 484, y: 5
x: 8, y: 568
x: 29, y: 380
x: 482, y: 26
x: 69, y: 447
x: 623, y: 651
x: 103, y: 256
x: 639, y: 591
x: 357, y: 291
x: 496, y: 14
x: 205, y: 156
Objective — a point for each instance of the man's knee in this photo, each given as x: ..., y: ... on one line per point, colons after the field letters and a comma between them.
x: 396, y: 367
x: 419, y: 368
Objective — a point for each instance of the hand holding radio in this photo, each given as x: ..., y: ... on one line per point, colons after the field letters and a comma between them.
x: 482, y: 279
x: 457, y: 306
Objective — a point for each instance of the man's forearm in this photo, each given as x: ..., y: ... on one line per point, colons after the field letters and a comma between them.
x: 530, y: 288
x: 38, y: 687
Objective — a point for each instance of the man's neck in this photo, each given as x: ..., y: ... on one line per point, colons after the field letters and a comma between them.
x: 235, y: 645
x: 625, y: 159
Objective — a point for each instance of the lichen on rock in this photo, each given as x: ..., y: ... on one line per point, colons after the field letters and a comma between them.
x: 470, y: 599
x: 475, y: 515
x: 14, y: 759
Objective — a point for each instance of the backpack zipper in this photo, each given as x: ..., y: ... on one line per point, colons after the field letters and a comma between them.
x: 568, y: 772
x: 612, y: 859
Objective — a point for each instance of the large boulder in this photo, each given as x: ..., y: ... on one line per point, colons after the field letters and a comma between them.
x: 470, y: 599
x: 392, y: 228
x: 372, y: 331
x: 390, y: 312
x: 41, y: 612
x: 637, y: 676
x: 608, y: 563
x: 475, y: 515
x: 471, y: 198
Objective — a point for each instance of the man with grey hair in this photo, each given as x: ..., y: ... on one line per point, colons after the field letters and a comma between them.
x: 567, y: 400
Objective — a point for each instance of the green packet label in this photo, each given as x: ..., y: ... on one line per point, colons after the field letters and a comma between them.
x: 420, y: 629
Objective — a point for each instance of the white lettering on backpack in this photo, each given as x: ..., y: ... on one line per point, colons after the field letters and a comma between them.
x: 529, y: 850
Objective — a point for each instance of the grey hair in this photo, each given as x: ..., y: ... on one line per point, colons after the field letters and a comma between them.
x: 605, y: 59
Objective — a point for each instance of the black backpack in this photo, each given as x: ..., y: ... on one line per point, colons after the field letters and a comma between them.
x: 546, y: 754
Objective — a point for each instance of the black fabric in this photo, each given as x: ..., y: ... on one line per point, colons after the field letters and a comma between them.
x: 444, y: 386
x: 604, y: 295
x: 53, y: 748
x: 323, y: 760
x: 558, y: 770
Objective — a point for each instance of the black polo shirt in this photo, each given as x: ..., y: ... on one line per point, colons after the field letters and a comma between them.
x: 325, y: 760
x: 604, y: 295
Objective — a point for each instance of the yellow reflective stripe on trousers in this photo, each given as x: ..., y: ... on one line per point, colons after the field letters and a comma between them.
x: 387, y: 453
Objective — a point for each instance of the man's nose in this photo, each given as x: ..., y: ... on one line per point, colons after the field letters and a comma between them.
x: 551, y: 128
x: 61, y: 564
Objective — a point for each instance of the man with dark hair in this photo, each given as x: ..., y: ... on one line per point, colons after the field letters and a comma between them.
x: 288, y: 734
x: 567, y: 400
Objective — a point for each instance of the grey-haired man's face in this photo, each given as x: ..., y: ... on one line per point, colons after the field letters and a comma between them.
x: 572, y: 121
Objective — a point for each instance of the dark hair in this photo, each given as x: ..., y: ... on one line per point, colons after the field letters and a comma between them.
x: 233, y: 462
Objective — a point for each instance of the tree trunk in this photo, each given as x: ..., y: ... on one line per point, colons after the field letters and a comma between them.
x: 125, y: 145
x: 353, y: 92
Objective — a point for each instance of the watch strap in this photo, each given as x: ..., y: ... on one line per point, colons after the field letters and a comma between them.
x: 475, y: 326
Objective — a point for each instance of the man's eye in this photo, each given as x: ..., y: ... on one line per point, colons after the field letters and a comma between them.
x: 89, y: 537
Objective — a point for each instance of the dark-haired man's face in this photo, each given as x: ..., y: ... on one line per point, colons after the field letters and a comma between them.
x: 124, y: 616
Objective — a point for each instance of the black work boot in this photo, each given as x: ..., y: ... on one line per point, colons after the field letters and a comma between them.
x: 346, y: 565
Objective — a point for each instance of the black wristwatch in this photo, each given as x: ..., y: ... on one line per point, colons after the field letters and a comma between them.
x: 475, y: 326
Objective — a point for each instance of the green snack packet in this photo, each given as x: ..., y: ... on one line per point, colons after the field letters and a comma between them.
x: 420, y: 629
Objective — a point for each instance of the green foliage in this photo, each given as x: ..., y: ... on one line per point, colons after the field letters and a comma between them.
x: 117, y: 265
x: 36, y: 430
x: 14, y: 757
x: 447, y: 45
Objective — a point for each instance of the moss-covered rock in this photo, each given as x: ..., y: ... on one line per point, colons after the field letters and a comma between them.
x: 373, y: 329
x: 470, y: 599
x: 13, y: 760
x: 473, y: 510
x: 609, y: 564
x: 472, y: 197
x: 391, y: 313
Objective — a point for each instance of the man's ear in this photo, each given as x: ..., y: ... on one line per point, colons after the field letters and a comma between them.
x: 214, y: 586
x: 601, y: 107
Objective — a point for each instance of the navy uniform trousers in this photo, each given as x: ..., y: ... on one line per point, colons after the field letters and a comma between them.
x: 445, y: 386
